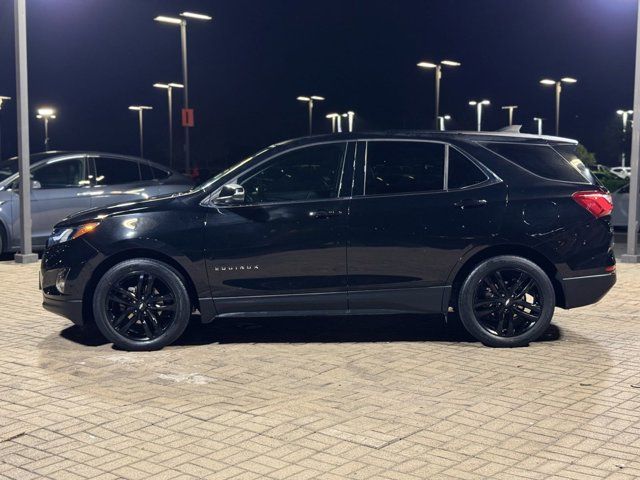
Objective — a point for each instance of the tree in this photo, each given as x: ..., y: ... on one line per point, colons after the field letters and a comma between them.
x: 587, y: 157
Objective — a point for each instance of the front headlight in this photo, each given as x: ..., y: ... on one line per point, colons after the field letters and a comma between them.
x: 61, y: 235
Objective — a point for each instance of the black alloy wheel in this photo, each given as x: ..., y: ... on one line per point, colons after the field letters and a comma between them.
x: 506, y: 301
x: 141, y: 304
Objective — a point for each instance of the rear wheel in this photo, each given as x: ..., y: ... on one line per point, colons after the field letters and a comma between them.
x: 141, y: 304
x: 506, y: 301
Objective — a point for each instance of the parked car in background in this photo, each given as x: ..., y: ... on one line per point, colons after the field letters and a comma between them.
x: 622, y: 172
x: 620, y: 216
x: 609, y: 180
x: 63, y: 183
x: 498, y: 228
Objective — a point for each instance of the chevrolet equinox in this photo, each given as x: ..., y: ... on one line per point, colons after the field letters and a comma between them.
x: 495, y: 228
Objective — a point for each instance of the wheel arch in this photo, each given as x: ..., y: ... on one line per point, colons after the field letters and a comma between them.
x: 464, y: 268
x: 109, y: 262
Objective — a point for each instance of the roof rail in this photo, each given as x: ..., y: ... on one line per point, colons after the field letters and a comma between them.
x: 510, y: 128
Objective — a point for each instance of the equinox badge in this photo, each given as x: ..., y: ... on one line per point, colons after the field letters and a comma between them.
x: 233, y: 268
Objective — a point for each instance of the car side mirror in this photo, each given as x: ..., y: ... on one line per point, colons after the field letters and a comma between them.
x: 230, y: 194
x: 35, y: 185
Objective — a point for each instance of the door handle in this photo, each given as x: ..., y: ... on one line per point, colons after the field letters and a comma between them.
x: 320, y: 214
x: 471, y: 203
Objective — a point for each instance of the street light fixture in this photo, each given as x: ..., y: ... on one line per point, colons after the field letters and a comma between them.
x: 309, y: 100
x: 624, y: 114
x: 349, y: 116
x: 538, y: 121
x: 441, y: 120
x: 185, y: 71
x: 336, y: 122
x: 479, y: 105
x: 510, y: 109
x: 140, y: 109
x: 46, y: 114
x: 169, y: 88
x: 438, y: 71
x: 2, y: 99
x: 558, y: 85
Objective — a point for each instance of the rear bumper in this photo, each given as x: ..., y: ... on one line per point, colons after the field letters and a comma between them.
x: 581, y: 291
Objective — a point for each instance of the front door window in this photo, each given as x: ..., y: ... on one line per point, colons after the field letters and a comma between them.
x: 311, y: 173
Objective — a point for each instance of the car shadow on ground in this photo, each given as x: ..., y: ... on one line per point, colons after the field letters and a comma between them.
x: 393, y: 328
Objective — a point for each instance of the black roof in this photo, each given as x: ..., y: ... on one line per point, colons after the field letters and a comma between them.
x: 450, y: 135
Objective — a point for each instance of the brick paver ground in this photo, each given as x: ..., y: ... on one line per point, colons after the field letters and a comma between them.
x: 366, y: 398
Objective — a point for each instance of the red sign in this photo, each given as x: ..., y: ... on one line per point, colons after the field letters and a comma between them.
x: 187, y: 117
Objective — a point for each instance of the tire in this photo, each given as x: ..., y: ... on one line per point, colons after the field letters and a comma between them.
x: 141, y: 304
x: 3, y: 236
x: 506, y: 301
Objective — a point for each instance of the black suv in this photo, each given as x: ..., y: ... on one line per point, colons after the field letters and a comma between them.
x: 496, y: 228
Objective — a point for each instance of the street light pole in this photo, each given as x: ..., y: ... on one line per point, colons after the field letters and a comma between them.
x: 349, y: 116
x: 558, y: 85
x: 332, y: 117
x: 140, y: 109
x: 169, y: 88
x: 46, y: 114
x: 336, y: 122
x: 185, y: 97
x: 437, y: 67
x: 479, y: 105
x: 632, y: 221
x: 185, y: 70
x: 26, y: 254
x: 510, y: 109
x: 625, y: 119
x: 309, y: 100
x: 539, y: 122
x: 2, y: 99
x: 441, y: 120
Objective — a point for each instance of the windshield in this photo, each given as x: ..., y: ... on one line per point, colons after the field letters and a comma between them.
x: 215, y: 182
x: 8, y: 168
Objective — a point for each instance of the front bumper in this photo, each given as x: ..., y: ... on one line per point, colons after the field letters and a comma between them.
x: 71, y: 309
x: 76, y: 260
x: 581, y: 291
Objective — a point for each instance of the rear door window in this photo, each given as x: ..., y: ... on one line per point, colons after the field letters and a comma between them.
x: 396, y: 167
x: 542, y: 160
x: 116, y: 171
x: 462, y: 171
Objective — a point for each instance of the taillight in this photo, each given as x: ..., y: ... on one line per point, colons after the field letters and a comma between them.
x: 597, y: 203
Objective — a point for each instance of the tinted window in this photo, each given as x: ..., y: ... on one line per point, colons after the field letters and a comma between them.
x: 462, y: 171
x: 113, y: 171
x: 404, y: 167
x: 539, y: 159
x: 569, y: 153
x: 61, y: 174
x: 305, y: 174
x: 151, y: 173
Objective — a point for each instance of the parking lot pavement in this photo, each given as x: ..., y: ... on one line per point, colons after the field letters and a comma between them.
x: 364, y: 398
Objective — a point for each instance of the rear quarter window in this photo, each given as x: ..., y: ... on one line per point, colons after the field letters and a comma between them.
x: 543, y: 161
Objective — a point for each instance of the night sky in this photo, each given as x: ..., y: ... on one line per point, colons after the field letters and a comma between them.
x: 91, y: 59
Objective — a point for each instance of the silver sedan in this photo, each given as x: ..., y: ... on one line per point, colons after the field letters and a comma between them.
x: 63, y: 183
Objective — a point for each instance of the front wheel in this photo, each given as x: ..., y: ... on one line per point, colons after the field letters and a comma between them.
x: 141, y: 304
x: 506, y: 301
